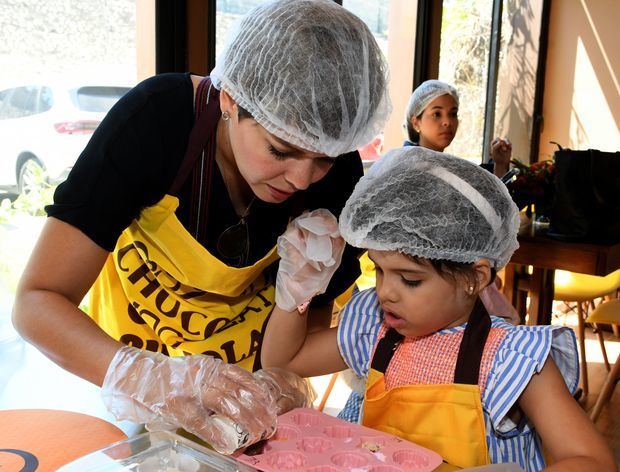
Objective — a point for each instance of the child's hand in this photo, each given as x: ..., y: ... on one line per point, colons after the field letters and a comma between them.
x: 289, y: 390
x: 310, y: 250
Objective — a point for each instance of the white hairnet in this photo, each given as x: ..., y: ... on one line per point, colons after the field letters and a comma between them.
x: 432, y: 205
x: 425, y: 93
x: 310, y: 72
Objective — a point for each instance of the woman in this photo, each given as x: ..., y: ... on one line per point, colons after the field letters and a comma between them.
x: 431, y: 121
x: 172, y: 213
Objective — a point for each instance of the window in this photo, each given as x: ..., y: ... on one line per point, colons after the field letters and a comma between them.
x: 520, y: 54
x: 227, y: 13
x: 46, y: 99
x: 20, y: 102
x: 463, y: 62
x: 490, y: 51
x: 98, y: 99
x: 375, y: 14
x: 90, y: 48
x: 393, y: 24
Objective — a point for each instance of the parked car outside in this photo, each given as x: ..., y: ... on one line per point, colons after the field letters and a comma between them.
x: 44, y: 127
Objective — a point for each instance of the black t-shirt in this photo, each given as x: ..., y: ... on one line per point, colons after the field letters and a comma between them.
x: 133, y: 157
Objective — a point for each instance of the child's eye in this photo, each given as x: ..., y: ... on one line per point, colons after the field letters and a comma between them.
x: 436, y: 115
x: 411, y: 283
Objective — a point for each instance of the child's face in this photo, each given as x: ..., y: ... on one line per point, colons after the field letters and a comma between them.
x: 438, y: 123
x: 415, y: 299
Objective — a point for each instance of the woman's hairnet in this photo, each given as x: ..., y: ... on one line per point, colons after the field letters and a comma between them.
x: 310, y: 72
x: 425, y: 93
x: 432, y: 205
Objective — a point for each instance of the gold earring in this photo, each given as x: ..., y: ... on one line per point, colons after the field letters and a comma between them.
x: 226, y: 116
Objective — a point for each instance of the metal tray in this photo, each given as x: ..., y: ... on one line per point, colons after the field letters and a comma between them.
x: 160, y: 451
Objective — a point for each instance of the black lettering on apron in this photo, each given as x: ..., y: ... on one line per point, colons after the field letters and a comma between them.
x: 160, y: 299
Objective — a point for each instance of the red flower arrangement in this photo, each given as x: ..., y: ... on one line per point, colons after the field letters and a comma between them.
x: 534, y: 185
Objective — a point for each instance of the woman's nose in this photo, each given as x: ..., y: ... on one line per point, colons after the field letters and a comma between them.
x: 300, y: 173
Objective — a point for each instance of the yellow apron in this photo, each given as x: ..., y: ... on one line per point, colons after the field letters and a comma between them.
x: 161, y: 290
x: 445, y: 418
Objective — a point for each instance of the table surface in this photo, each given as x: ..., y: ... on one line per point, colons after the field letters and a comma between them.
x: 540, y: 250
x: 30, y: 380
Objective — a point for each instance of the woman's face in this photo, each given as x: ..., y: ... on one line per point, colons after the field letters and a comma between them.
x: 416, y: 300
x: 438, y: 123
x: 271, y: 167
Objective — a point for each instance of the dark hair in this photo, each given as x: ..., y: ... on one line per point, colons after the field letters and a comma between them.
x: 412, y: 134
x: 243, y: 113
x: 450, y: 269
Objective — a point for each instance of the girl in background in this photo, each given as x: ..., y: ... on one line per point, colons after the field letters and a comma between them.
x: 431, y: 121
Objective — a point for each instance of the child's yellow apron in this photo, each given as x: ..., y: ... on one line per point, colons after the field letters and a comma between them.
x: 161, y: 290
x: 445, y: 418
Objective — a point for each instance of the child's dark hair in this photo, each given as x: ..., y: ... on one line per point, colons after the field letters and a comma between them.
x: 243, y: 113
x: 450, y: 269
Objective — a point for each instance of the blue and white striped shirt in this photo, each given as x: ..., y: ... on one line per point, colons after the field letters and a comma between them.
x: 522, y: 353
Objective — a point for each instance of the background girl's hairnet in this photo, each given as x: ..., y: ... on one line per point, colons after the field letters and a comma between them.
x: 424, y: 94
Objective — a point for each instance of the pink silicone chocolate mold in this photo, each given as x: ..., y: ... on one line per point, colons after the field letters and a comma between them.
x: 315, y: 445
x: 310, y: 441
x: 284, y: 433
x: 349, y: 460
x: 286, y: 460
x: 410, y: 459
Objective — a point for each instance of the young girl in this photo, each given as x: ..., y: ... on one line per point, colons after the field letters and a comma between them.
x: 431, y: 121
x: 440, y: 370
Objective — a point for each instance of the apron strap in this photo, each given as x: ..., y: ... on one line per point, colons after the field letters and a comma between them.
x: 201, y: 144
x: 385, y: 350
x: 467, y: 368
x: 475, y: 336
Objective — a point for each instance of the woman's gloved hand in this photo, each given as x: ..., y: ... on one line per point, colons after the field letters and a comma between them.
x: 289, y: 390
x: 222, y: 404
x: 310, y: 252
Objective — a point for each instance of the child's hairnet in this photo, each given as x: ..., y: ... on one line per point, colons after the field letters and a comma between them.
x: 310, y: 72
x: 425, y: 93
x: 432, y: 205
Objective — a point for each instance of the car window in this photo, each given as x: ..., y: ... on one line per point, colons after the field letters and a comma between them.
x: 98, y: 99
x: 46, y: 99
x: 4, y: 97
x: 22, y: 102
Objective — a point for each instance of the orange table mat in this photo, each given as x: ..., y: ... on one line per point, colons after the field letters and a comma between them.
x: 43, y: 440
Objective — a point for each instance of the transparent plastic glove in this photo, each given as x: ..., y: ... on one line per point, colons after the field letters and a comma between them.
x: 310, y: 252
x: 222, y: 404
x: 289, y: 390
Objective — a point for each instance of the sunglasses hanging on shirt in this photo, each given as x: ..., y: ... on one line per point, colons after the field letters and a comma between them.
x: 234, y: 242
